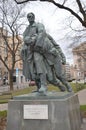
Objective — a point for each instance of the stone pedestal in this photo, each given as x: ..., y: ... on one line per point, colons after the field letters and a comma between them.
x: 55, y: 111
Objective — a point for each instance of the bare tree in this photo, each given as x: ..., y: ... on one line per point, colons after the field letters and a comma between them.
x: 79, y: 13
x: 62, y: 5
x: 75, y: 36
x: 10, y: 20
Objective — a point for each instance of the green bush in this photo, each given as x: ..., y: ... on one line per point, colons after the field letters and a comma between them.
x: 83, y: 107
x: 78, y: 86
x: 3, y: 113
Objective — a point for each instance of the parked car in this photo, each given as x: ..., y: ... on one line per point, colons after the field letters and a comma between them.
x: 32, y: 83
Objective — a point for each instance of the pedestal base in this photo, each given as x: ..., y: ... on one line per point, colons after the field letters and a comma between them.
x: 55, y: 111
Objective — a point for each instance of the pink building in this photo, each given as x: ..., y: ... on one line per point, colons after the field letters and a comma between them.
x: 79, y: 54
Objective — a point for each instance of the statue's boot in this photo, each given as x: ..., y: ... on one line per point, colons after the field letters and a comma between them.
x: 69, y: 88
x: 38, y: 84
x: 58, y: 84
x: 61, y: 87
x: 64, y: 81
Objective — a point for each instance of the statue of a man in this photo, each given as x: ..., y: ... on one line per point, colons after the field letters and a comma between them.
x: 43, y: 55
x: 36, y: 64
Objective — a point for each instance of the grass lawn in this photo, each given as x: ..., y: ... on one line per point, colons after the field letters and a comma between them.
x: 78, y: 86
x: 6, y: 97
x: 83, y: 111
x: 3, y: 113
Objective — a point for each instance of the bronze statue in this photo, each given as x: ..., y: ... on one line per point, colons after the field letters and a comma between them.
x: 42, y: 57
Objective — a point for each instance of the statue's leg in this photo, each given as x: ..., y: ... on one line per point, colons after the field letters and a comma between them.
x: 43, y: 82
x: 58, y: 84
x: 53, y: 80
x: 61, y: 77
x: 38, y: 83
x: 41, y: 71
x: 51, y: 77
x: 63, y: 80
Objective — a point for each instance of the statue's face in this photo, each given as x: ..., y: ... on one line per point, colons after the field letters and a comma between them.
x: 30, y: 18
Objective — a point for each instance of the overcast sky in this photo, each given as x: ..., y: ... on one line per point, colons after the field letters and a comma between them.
x: 55, y: 21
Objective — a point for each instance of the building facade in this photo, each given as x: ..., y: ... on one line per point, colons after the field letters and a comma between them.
x: 6, y: 55
x: 79, y: 55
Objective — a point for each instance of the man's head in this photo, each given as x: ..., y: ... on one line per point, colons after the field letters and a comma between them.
x: 30, y: 17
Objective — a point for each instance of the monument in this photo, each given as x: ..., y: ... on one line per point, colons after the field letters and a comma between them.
x: 42, y: 57
x: 42, y: 61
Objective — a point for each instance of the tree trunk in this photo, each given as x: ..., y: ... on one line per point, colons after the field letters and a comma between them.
x: 11, y: 80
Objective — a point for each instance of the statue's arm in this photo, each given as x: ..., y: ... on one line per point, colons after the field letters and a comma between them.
x: 58, y: 49
x: 63, y: 58
x: 28, y: 40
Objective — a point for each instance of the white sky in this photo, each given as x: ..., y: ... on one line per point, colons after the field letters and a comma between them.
x: 54, y: 20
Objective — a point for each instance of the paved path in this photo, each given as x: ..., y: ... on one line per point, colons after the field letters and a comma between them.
x: 3, y: 107
x: 82, y: 97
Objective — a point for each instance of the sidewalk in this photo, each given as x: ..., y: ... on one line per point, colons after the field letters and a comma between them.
x: 82, y: 97
x: 3, y: 107
x: 5, y: 88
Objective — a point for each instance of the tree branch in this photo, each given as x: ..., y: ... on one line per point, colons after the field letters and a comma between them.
x: 70, y: 10
x: 80, y: 7
x: 21, y: 2
x: 4, y: 62
x: 61, y: 6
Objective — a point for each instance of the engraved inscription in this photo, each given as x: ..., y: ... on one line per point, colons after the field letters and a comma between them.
x: 35, y: 111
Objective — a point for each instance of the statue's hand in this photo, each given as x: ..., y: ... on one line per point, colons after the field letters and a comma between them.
x: 54, y: 52
x: 29, y: 40
x: 63, y: 61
